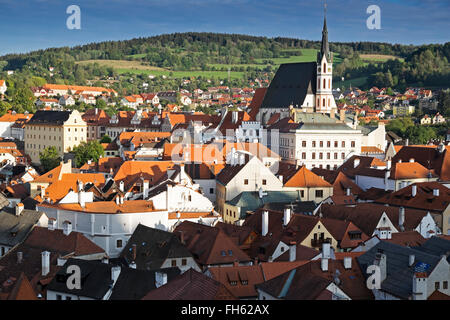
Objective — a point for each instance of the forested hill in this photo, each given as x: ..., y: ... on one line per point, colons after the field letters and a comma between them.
x: 235, y: 45
x: 231, y: 57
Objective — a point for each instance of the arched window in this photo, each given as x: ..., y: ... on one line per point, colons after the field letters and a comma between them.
x: 318, y: 102
x: 329, y: 83
x: 329, y: 102
x: 324, y: 83
x: 324, y: 105
x: 318, y: 83
x: 324, y: 67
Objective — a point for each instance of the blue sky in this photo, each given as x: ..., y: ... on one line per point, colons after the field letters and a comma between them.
x: 27, y: 25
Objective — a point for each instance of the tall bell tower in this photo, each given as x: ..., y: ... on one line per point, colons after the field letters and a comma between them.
x: 324, y: 96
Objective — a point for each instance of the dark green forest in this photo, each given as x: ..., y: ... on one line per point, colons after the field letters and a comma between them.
x: 426, y: 66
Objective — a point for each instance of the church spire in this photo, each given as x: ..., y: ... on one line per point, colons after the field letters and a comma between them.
x: 325, y: 47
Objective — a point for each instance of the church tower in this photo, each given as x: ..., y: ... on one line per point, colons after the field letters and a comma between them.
x: 324, y: 96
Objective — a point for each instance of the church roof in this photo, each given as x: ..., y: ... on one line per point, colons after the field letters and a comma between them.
x: 291, y: 84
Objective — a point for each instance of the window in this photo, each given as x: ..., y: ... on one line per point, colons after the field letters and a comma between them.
x: 302, y: 193
x: 343, y: 155
x: 319, y: 193
x: 343, y: 144
x: 335, y: 144
x: 183, y: 262
x: 68, y: 298
x: 304, y: 144
x: 58, y: 297
x: 321, y: 156
x: 321, y: 144
x: 436, y: 285
x: 335, y: 156
x: 174, y: 263
x: 445, y: 285
x: 313, y: 144
x: 328, y: 156
x: 246, y: 181
x: 313, y: 155
x: 328, y: 144
x: 264, y: 182
x: 303, y: 155
x: 211, y: 190
x: 119, y: 243
x: 353, y: 144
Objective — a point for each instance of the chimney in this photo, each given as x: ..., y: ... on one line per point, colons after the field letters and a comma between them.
x: 265, y: 223
x: 42, y: 192
x: 324, y: 264
x: 287, y: 216
x: 342, y: 115
x: 241, y: 159
x: 45, y: 263
x: 380, y: 261
x: 234, y: 117
x: 389, y: 165
x: 67, y: 227
x: 19, y: 208
x: 411, y: 260
x: 411, y: 160
x: 160, y: 279
x: 420, y: 286
x: 356, y: 163
x: 326, y: 250
x: 132, y: 265
x: 349, y: 191
x: 19, y: 257
x: 51, y: 224
x: 270, y: 259
x: 96, y: 111
x: 121, y: 199
x: 182, y: 237
x: 117, y: 200
x: 122, y: 186
x: 133, y: 252
x: 115, y: 272
x: 347, y: 263
x: 146, y: 188
x: 281, y: 179
x: 82, y: 198
x: 436, y: 192
x: 414, y: 190
x: 292, y: 251
x: 401, y: 218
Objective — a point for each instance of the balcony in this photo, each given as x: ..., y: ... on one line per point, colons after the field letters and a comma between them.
x: 318, y: 242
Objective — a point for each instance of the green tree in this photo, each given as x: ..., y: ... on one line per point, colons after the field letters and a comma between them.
x: 49, y: 158
x: 105, y: 139
x: 23, y: 100
x: 420, y: 134
x: 4, y: 107
x: 86, y: 151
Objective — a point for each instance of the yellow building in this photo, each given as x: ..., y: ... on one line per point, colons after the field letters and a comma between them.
x: 403, y: 110
x: 61, y: 129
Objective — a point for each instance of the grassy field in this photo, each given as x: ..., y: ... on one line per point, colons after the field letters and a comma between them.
x: 122, y: 64
x: 378, y: 57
